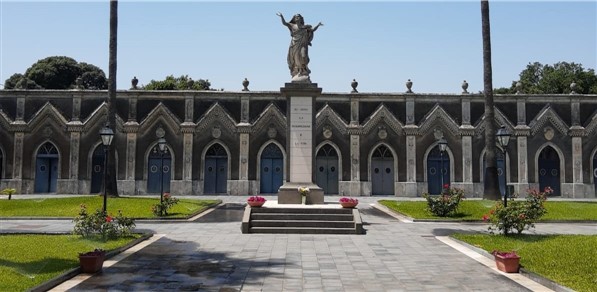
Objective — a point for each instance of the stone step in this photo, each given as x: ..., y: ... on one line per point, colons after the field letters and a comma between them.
x: 307, y: 217
x: 302, y: 230
x: 302, y: 223
x: 303, y: 210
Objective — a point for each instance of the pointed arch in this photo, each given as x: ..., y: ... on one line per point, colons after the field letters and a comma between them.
x: 148, y: 152
x: 370, y: 156
x: 90, y: 161
x: 426, y: 155
x: 258, y: 158
x: 561, y: 157
x: 330, y: 178
x: 507, y: 162
x: 438, y: 116
x: 333, y: 145
x: 204, y: 153
x: 46, y: 167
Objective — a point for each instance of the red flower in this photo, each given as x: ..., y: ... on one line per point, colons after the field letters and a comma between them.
x: 485, y: 218
x: 492, y: 211
x: 446, y: 186
x: 109, y: 219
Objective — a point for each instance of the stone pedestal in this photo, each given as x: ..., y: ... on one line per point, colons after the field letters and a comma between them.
x: 300, y: 100
x: 288, y: 194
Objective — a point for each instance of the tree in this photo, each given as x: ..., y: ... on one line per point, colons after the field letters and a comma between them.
x: 58, y: 72
x: 184, y: 82
x: 537, y: 78
x: 111, y: 184
x: 491, y: 187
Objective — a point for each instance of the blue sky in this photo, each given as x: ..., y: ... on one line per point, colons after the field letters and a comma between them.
x: 380, y: 44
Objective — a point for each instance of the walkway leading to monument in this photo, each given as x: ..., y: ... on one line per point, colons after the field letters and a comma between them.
x: 216, y: 256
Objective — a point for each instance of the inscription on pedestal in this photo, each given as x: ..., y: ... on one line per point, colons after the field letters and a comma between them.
x: 301, y: 135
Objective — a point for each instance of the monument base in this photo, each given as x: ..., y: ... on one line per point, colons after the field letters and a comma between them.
x: 288, y: 193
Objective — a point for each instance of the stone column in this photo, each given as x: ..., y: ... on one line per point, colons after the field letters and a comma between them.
x: 521, y: 134
x: 186, y: 186
x: 73, y: 170
x: 410, y: 188
x: 467, y: 131
x: 578, y: 187
x: 354, y: 187
x: 17, y: 172
x: 128, y: 185
x: 300, y: 100
x: 243, y: 186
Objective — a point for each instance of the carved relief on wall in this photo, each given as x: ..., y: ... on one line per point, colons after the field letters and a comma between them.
x: 548, y: 133
x: 216, y: 132
x: 272, y: 132
x: 160, y: 132
x: 382, y: 133
x: 327, y: 132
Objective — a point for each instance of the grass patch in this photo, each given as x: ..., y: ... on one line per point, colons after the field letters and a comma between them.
x: 69, y: 207
x: 569, y: 260
x: 470, y: 210
x: 24, y: 264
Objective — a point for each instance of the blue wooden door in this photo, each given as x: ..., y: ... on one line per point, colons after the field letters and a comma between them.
x: 46, y: 169
x: 272, y: 169
x: 216, y: 170
x: 595, y: 172
x: 549, y: 170
x: 382, y: 171
x: 326, y: 167
x: 501, y: 169
x: 159, y: 172
x: 438, y: 171
x: 97, y: 170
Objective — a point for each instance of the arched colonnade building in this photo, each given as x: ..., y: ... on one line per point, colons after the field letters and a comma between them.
x: 235, y: 142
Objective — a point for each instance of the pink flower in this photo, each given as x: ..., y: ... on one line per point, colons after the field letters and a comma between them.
x: 109, y: 219
x: 485, y: 218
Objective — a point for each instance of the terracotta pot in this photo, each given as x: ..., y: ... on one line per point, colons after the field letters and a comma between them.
x: 348, y: 204
x: 255, y: 204
x: 92, y: 262
x: 507, y: 265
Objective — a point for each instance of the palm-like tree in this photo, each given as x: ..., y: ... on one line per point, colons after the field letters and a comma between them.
x: 491, y: 186
x: 111, y: 186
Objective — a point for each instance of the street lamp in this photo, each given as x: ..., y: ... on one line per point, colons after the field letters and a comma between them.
x: 107, y: 135
x: 162, y: 149
x: 503, y: 138
x: 443, y: 145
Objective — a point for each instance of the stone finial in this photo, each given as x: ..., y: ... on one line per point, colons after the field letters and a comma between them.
x: 464, y: 87
x: 354, y: 85
x: 246, y: 85
x: 409, y: 85
x: 518, y: 87
x: 79, y: 83
x: 134, y: 82
x: 573, y: 87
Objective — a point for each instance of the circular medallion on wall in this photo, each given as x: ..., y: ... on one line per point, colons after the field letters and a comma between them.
x: 548, y: 133
x: 272, y: 132
x: 160, y: 133
x: 216, y: 132
x: 382, y: 133
x: 327, y: 132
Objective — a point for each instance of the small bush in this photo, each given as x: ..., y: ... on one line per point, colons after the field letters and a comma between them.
x: 445, y: 203
x: 9, y: 192
x: 518, y: 215
x: 161, y: 208
x: 99, y: 223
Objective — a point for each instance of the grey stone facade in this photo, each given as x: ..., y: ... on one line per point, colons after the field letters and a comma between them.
x: 245, y: 122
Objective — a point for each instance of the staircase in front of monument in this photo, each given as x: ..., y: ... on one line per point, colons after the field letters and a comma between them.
x: 301, y: 219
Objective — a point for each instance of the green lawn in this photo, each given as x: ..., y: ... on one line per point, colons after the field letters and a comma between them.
x: 23, y: 264
x: 69, y: 206
x: 473, y: 210
x: 570, y: 260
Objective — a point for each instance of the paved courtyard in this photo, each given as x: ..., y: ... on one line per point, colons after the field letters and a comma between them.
x: 212, y: 254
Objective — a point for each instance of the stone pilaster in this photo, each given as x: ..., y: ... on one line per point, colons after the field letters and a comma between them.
x: 73, y: 170
x: 243, y: 185
x: 466, y: 111
x: 521, y: 114
x: 189, y: 108
x: 410, y: 111
x: 521, y: 134
x: 354, y: 188
x: 578, y: 188
x: 409, y: 188
x: 17, y: 172
x: 186, y: 185
x: 128, y: 185
x: 132, y: 109
x: 467, y: 164
x: 76, y: 108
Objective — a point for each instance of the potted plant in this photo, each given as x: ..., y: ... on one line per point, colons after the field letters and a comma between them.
x: 256, y: 201
x: 92, y: 262
x: 506, y: 261
x: 304, y: 192
x: 348, y: 202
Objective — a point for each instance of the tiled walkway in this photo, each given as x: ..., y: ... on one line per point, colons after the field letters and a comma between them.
x: 392, y: 256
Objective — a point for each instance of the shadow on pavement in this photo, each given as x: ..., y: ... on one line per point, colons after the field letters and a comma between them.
x: 229, y: 212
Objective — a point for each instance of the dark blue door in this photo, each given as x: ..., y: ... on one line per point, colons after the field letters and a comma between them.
x: 46, y: 169
x: 326, y: 168
x: 549, y: 170
x: 97, y: 170
x: 216, y: 170
x: 159, y: 172
x: 438, y: 171
x: 272, y: 169
x: 501, y: 167
x: 595, y: 171
x: 382, y: 171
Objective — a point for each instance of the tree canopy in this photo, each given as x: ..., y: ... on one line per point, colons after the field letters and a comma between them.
x: 537, y: 78
x: 184, y: 82
x: 58, y: 72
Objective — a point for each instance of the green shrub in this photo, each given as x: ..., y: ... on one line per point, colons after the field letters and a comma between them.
x: 518, y: 215
x: 161, y: 208
x: 445, y: 203
x: 99, y: 223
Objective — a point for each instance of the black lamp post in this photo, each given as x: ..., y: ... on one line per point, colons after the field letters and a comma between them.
x: 443, y: 144
x: 162, y: 149
x: 107, y: 135
x: 503, y: 138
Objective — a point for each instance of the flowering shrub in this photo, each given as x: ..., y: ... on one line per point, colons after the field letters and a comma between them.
x: 447, y: 202
x: 161, y: 208
x: 98, y: 223
x: 349, y: 200
x: 95, y: 252
x: 256, y: 199
x: 518, y: 215
x: 505, y: 254
x: 303, y: 191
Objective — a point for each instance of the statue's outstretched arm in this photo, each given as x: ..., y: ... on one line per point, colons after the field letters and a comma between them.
x: 282, y: 18
x: 317, y: 26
